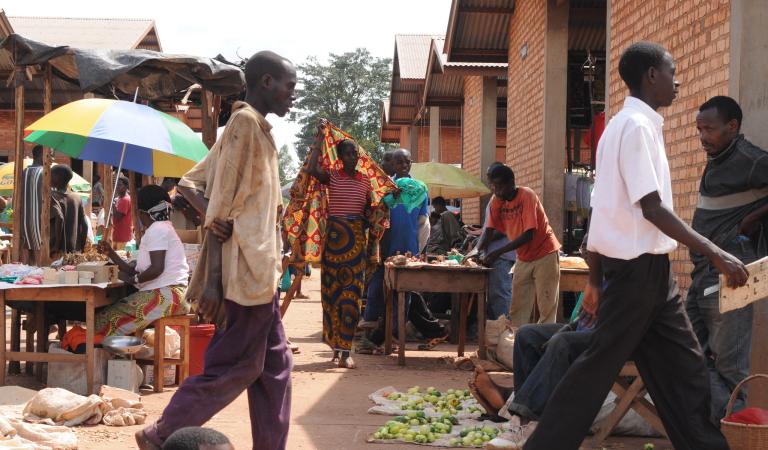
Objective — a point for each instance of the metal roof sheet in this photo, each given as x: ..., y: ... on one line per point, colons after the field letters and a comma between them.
x: 89, y: 33
x: 412, y: 53
x: 478, y: 25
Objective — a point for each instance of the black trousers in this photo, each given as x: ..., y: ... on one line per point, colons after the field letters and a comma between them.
x: 637, y: 320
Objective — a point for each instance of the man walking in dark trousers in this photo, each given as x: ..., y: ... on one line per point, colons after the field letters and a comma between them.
x: 632, y: 231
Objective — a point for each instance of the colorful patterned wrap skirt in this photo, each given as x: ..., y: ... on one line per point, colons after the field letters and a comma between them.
x: 138, y: 310
x: 343, y: 270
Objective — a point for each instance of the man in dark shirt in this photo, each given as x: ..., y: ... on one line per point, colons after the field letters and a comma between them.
x: 732, y: 209
x: 448, y: 229
x: 69, y: 226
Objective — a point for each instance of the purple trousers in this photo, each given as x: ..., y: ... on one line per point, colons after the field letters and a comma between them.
x: 250, y: 353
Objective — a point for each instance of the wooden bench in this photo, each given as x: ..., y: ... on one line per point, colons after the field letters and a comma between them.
x: 630, y: 393
x: 159, y: 361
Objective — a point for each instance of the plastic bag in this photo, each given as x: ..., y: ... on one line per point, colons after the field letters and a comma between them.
x: 172, y: 344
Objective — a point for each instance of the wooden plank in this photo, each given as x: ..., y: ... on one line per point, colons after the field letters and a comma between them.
x: 14, y: 367
x: 573, y: 282
x: 42, y: 357
x: 755, y: 289
x: 207, y: 109
x: 18, y: 190
x: 45, y: 209
x: 436, y: 281
x: 622, y: 406
x: 90, y: 356
x: 401, y: 327
x: 3, y: 354
x: 41, y: 335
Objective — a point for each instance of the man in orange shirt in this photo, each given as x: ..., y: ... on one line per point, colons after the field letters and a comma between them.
x: 517, y: 213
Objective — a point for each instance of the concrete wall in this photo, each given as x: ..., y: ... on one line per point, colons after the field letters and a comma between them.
x: 697, y: 35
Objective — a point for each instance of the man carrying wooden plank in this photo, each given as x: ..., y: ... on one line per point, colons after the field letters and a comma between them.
x: 632, y: 231
x: 733, y: 202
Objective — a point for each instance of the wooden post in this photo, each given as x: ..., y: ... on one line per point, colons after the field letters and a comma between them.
x: 134, y: 207
x: 209, y: 110
x: 45, y: 209
x: 18, y: 191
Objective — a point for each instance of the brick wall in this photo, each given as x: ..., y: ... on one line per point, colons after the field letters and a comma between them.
x: 525, y: 93
x: 472, y: 116
x: 8, y: 131
x: 697, y: 34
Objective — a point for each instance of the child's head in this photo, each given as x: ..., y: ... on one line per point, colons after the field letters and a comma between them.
x: 61, y: 175
x: 197, y: 438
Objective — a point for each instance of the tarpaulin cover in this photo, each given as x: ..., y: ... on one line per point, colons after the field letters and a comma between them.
x: 157, y: 75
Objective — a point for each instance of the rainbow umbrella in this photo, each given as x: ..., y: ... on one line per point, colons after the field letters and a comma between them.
x: 123, y: 134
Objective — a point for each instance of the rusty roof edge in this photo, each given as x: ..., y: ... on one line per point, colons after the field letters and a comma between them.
x: 451, y: 28
x: 5, y: 24
x: 145, y: 34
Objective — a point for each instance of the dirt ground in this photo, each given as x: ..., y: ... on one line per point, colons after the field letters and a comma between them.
x: 329, y: 410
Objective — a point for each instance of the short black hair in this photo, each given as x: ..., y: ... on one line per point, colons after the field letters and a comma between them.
x: 502, y: 173
x: 388, y: 154
x: 264, y: 63
x: 191, y: 438
x: 37, y: 152
x: 493, y: 165
x: 637, y: 59
x: 727, y: 108
x: 151, y: 196
x: 123, y: 179
x: 438, y: 201
x: 62, y: 172
x: 345, y: 144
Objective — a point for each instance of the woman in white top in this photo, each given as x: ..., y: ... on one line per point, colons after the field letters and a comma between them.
x: 160, y: 272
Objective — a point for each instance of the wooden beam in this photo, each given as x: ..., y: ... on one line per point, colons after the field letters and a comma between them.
x: 479, y: 55
x: 209, y: 128
x: 18, y: 190
x: 45, y: 209
x: 105, y: 171
x: 485, y: 10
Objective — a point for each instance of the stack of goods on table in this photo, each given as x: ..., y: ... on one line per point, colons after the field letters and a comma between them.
x: 452, y: 259
x: 88, y: 267
x: 440, y: 419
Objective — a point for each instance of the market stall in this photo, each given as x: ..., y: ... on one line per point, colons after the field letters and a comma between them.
x: 469, y: 281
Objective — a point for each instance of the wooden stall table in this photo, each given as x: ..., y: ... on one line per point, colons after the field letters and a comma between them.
x: 573, y: 280
x: 93, y: 296
x: 468, y: 281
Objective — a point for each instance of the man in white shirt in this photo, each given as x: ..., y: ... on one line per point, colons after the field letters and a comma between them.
x: 632, y: 231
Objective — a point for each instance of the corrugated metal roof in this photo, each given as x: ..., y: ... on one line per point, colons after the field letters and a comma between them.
x: 478, y: 25
x: 412, y: 53
x: 91, y: 33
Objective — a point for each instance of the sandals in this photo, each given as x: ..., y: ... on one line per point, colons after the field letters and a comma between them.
x: 432, y: 343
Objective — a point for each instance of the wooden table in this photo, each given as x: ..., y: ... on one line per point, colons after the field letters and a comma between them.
x: 467, y: 281
x: 573, y: 280
x: 92, y: 295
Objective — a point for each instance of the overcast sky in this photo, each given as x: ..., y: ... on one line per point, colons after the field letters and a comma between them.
x: 293, y: 28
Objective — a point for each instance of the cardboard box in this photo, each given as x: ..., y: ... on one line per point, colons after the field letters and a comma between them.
x: 102, y: 271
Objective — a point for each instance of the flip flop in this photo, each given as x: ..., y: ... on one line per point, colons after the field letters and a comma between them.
x: 432, y: 343
x: 379, y: 351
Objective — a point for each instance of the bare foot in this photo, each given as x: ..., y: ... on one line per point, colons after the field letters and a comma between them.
x: 346, y: 362
x: 143, y: 441
x: 488, y: 390
x: 301, y: 296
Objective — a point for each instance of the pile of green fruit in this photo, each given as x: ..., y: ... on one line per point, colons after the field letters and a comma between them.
x: 474, y: 437
x: 416, y: 427
x: 450, y: 402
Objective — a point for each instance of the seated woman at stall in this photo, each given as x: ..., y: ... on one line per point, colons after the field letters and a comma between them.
x: 160, y: 272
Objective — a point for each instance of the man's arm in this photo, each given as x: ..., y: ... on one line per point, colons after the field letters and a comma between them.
x: 222, y: 229
x: 668, y: 223
x: 519, y: 241
x: 749, y: 223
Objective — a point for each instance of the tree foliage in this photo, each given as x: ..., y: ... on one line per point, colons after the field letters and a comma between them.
x: 348, y: 91
x: 286, y: 165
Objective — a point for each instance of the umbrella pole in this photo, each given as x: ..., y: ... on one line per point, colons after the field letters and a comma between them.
x: 114, y: 189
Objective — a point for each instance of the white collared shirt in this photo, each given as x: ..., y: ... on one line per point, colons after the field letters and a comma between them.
x: 631, y: 163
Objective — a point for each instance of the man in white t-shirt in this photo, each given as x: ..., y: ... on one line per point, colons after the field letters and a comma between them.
x: 633, y: 229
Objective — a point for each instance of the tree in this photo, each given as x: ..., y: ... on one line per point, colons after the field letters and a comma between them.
x: 286, y: 165
x: 348, y: 91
